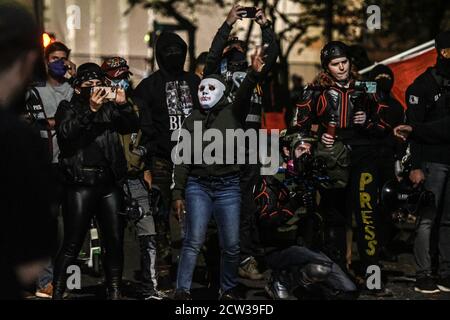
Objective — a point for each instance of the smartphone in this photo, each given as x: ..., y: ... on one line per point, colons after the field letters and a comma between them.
x: 250, y: 12
x: 111, y: 92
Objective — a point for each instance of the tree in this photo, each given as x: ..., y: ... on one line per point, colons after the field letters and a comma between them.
x: 177, y: 9
x: 421, y: 21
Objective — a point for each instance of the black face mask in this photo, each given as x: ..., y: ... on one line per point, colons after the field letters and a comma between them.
x: 384, y: 85
x: 236, y: 60
x: 85, y: 93
x: 173, y: 60
x: 443, y: 67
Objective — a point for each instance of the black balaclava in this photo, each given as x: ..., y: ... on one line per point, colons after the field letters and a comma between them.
x: 443, y: 64
x: 171, y: 53
x: 235, y: 56
x: 384, y: 77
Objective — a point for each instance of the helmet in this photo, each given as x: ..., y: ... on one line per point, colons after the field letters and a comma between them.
x: 333, y: 50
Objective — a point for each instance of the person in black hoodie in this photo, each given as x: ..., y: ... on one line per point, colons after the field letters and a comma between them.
x: 392, y: 114
x: 93, y: 162
x: 428, y: 102
x: 228, y: 57
x: 165, y: 99
x: 211, y: 187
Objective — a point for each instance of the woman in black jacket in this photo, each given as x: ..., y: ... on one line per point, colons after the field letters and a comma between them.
x: 93, y: 162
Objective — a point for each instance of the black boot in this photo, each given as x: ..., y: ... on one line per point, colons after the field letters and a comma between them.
x: 113, y: 293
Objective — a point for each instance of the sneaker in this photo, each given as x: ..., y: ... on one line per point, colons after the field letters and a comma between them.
x: 154, y: 295
x: 444, y: 284
x: 426, y: 285
x: 276, y: 290
x: 249, y: 269
x: 230, y: 295
x: 182, y: 295
x: 45, y: 293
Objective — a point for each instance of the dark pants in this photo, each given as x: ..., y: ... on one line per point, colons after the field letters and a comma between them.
x: 83, y: 203
x: 333, y: 209
x: 295, y: 258
x: 168, y: 238
x: 437, y: 181
x: 363, y: 195
x: 248, y: 230
x: 386, y: 171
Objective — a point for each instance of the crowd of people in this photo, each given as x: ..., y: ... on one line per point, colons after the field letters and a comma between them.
x: 83, y: 146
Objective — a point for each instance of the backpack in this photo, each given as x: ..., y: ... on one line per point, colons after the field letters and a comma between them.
x: 133, y: 152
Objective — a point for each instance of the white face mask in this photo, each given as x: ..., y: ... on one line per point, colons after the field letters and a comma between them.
x: 210, y: 92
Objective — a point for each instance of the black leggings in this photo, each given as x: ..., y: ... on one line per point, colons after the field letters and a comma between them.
x: 83, y: 203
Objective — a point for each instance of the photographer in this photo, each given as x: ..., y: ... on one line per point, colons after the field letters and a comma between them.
x: 428, y: 105
x: 142, y: 200
x: 228, y: 57
x: 347, y: 123
x: 93, y: 162
x: 291, y: 228
x: 42, y: 102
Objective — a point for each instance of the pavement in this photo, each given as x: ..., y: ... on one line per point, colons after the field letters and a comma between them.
x: 400, y: 277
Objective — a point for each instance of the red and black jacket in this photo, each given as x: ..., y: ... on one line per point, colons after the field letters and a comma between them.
x: 323, y: 102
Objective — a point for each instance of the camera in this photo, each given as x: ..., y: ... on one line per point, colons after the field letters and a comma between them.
x: 403, y: 200
x: 132, y: 210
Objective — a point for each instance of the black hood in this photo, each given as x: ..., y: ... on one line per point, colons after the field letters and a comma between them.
x: 171, y: 53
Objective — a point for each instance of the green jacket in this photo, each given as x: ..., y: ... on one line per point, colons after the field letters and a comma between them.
x: 223, y: 116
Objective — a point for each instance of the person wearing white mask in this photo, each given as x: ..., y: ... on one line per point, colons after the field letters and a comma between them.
x: 204, y: 189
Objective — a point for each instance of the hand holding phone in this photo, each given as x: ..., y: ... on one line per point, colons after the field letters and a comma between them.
x: 248, y: 12
x: 110, y: 93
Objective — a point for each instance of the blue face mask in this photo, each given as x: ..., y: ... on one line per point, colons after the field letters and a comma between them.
x: 57, y: 69
x: 123, y: 83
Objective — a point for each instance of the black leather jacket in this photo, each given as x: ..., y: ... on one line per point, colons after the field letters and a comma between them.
x: 77, y: 127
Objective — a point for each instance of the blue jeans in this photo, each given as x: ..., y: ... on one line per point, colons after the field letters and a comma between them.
x: 207, y: 197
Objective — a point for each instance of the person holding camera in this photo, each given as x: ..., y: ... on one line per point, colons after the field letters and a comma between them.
x: 228, y: 57
x: 428, y: 100
x: 42, y: 101
x: 142, y: 200
x: 290, y: 225
x: 94, y: 164
x: 347, y: 121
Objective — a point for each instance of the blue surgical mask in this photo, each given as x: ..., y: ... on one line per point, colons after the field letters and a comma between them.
x: 57, y: 69
x: 123, y: 83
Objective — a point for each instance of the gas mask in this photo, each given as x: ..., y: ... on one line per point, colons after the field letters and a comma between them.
x: 210, y: 92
